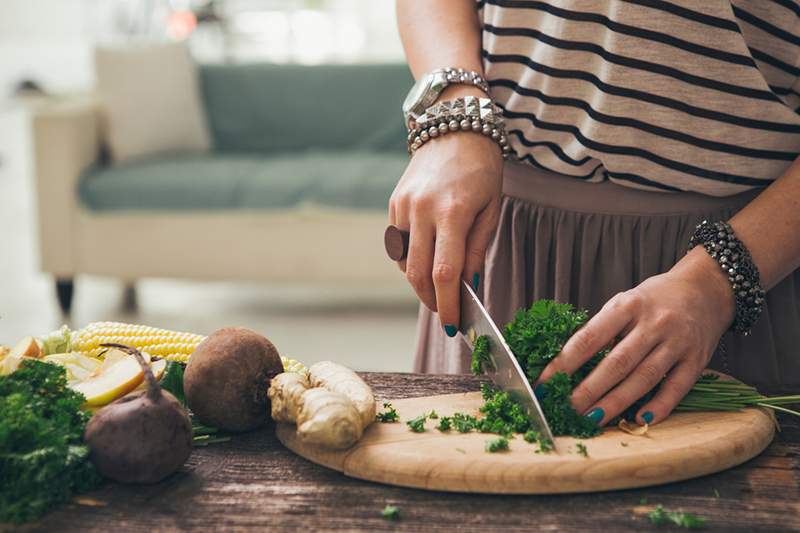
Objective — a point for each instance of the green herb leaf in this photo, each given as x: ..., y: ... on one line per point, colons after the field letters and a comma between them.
x: 497, y: 445
x: 390, y: 512
x: 172, y: 381
x: 417, y: 425
x: 481, y: 358
x: 43, y: 461
x: 389, y: 415
x: 445, y: 423
x: 582, y: 449
x: 660, y: 516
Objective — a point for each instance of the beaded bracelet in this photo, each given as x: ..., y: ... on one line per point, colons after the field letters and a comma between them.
x: 722, y: 244
x: 469, y: 113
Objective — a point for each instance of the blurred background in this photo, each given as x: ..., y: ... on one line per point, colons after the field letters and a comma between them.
x: 193, y: 164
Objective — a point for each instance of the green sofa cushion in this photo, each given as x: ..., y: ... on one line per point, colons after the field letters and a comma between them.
x: 360, y: 180
x: 273, y: 108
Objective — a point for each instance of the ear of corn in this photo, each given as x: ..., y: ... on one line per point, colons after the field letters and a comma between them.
x: 166, y: 344
x: 162, y: 343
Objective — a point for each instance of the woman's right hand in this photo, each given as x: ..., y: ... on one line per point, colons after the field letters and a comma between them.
x: 449, y: 200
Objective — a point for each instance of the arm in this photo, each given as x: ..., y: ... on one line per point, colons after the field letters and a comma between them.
x: 449, y: 195
x: 672, y: 322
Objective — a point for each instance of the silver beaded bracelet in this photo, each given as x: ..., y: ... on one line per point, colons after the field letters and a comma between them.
x: 468, y: 113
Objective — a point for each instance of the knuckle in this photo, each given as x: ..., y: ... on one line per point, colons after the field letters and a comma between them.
x: 632, y: 300
x: 619, y: 363
x: 666, y: 318
x: 416, y: 279
x: 584, y: 395
x: 583, y: 340
x: 475, y: 253
x: 444, y: 273
x: 650, y: 374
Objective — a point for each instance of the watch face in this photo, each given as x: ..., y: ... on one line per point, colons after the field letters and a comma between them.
x: 417, y: 92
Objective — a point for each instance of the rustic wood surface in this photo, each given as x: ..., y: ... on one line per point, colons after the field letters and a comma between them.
x: 254, y: 482
x: 684, y: 446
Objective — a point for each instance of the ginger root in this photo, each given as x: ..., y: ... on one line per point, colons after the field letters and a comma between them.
x: 329, y: 407
x: 328, y: 418
x: 338, y: 378
x: 286, y: 395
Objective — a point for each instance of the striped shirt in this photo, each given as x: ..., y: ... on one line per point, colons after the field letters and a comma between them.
x: 679, y: 95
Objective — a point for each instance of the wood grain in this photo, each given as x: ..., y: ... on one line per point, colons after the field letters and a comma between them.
x: 684, y: 446
x: 254, y: 483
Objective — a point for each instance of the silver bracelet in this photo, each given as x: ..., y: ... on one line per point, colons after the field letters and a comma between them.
x: 469, y: 77
x: 468, y: 113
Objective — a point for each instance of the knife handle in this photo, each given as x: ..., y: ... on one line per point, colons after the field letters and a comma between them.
x: 396, y: 242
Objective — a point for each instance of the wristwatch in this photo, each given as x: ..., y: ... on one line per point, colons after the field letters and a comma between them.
x: 429, y: 86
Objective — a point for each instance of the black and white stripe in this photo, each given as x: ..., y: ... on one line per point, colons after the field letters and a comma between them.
x: 664, y: 95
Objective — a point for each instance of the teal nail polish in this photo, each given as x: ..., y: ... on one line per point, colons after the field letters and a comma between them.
x: 476, y: 280
x: 596, y: 415
x: 647, y: 416
x: 451, y: 330
x: 540, y: 391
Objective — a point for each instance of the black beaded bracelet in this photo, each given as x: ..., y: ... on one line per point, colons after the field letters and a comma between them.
x: 721, y: 243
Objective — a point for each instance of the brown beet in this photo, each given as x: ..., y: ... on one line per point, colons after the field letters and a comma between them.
x: 227, y: 377
x: 143, y: 437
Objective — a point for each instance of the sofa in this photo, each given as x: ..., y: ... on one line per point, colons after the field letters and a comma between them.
x: 294, y: 189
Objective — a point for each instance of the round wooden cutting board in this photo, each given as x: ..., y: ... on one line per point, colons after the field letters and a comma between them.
x: 684, y: 446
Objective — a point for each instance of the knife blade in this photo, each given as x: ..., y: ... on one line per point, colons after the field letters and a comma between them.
x: 505, y: 373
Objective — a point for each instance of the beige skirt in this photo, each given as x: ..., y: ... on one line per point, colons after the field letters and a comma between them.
x: 562, y: 238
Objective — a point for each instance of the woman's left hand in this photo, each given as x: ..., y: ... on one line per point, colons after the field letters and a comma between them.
x: 669, y: 325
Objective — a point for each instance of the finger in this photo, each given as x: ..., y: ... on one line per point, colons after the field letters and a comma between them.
x: 419, y: 262
x: 613, y: 369
x: 398, y: 217
x: 448, y: 264
x: 480, y: 235
x: 642, y: 380
x: 677, y: 384
x: 591, y: 338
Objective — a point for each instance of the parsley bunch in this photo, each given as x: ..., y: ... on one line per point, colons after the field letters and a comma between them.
x: 43, y: 460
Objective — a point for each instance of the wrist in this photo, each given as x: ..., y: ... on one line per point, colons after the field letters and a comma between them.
x: 705, y: 272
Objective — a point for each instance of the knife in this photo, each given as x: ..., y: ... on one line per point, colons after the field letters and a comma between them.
x: 504, y: 371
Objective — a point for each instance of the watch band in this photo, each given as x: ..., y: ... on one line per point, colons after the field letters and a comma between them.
x: 433, y: 84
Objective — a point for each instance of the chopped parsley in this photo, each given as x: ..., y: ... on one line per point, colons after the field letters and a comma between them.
x: 433, y: 415
x: 445, y: 423
x: 417, y: 425
x: 390, y: 512
x: 582, y: 449
x: 389, y: 415
x: 497, y: 445
x: 660, y: 516
x: 481, y: 358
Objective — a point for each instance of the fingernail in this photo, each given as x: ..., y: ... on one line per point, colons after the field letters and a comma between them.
x: 647, y: 416
x: 476, y: 280
x: 451, y: 330
x: 539, y: 391
x: 596, y: 415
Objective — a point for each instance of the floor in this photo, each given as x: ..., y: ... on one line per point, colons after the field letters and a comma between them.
x: 364, y: 330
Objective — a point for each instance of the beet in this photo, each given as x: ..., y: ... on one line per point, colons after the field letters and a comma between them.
x: 227, y: 378
x: 144, y: 436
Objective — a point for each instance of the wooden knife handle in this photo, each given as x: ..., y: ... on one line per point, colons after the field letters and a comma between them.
x: 396, y: 242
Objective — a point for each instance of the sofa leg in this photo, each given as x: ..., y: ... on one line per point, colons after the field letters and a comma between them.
x: 65, y: 287
x: 130, y: 299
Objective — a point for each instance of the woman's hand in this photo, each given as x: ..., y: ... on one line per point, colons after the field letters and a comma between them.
x: 448, y: 198
x: 669, y: 326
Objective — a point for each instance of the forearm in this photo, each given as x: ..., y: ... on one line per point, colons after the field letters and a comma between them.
x: 438, y: 34
x: 768, y: 226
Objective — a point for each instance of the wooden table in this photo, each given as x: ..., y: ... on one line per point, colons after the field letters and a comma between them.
x: 253, y: 482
